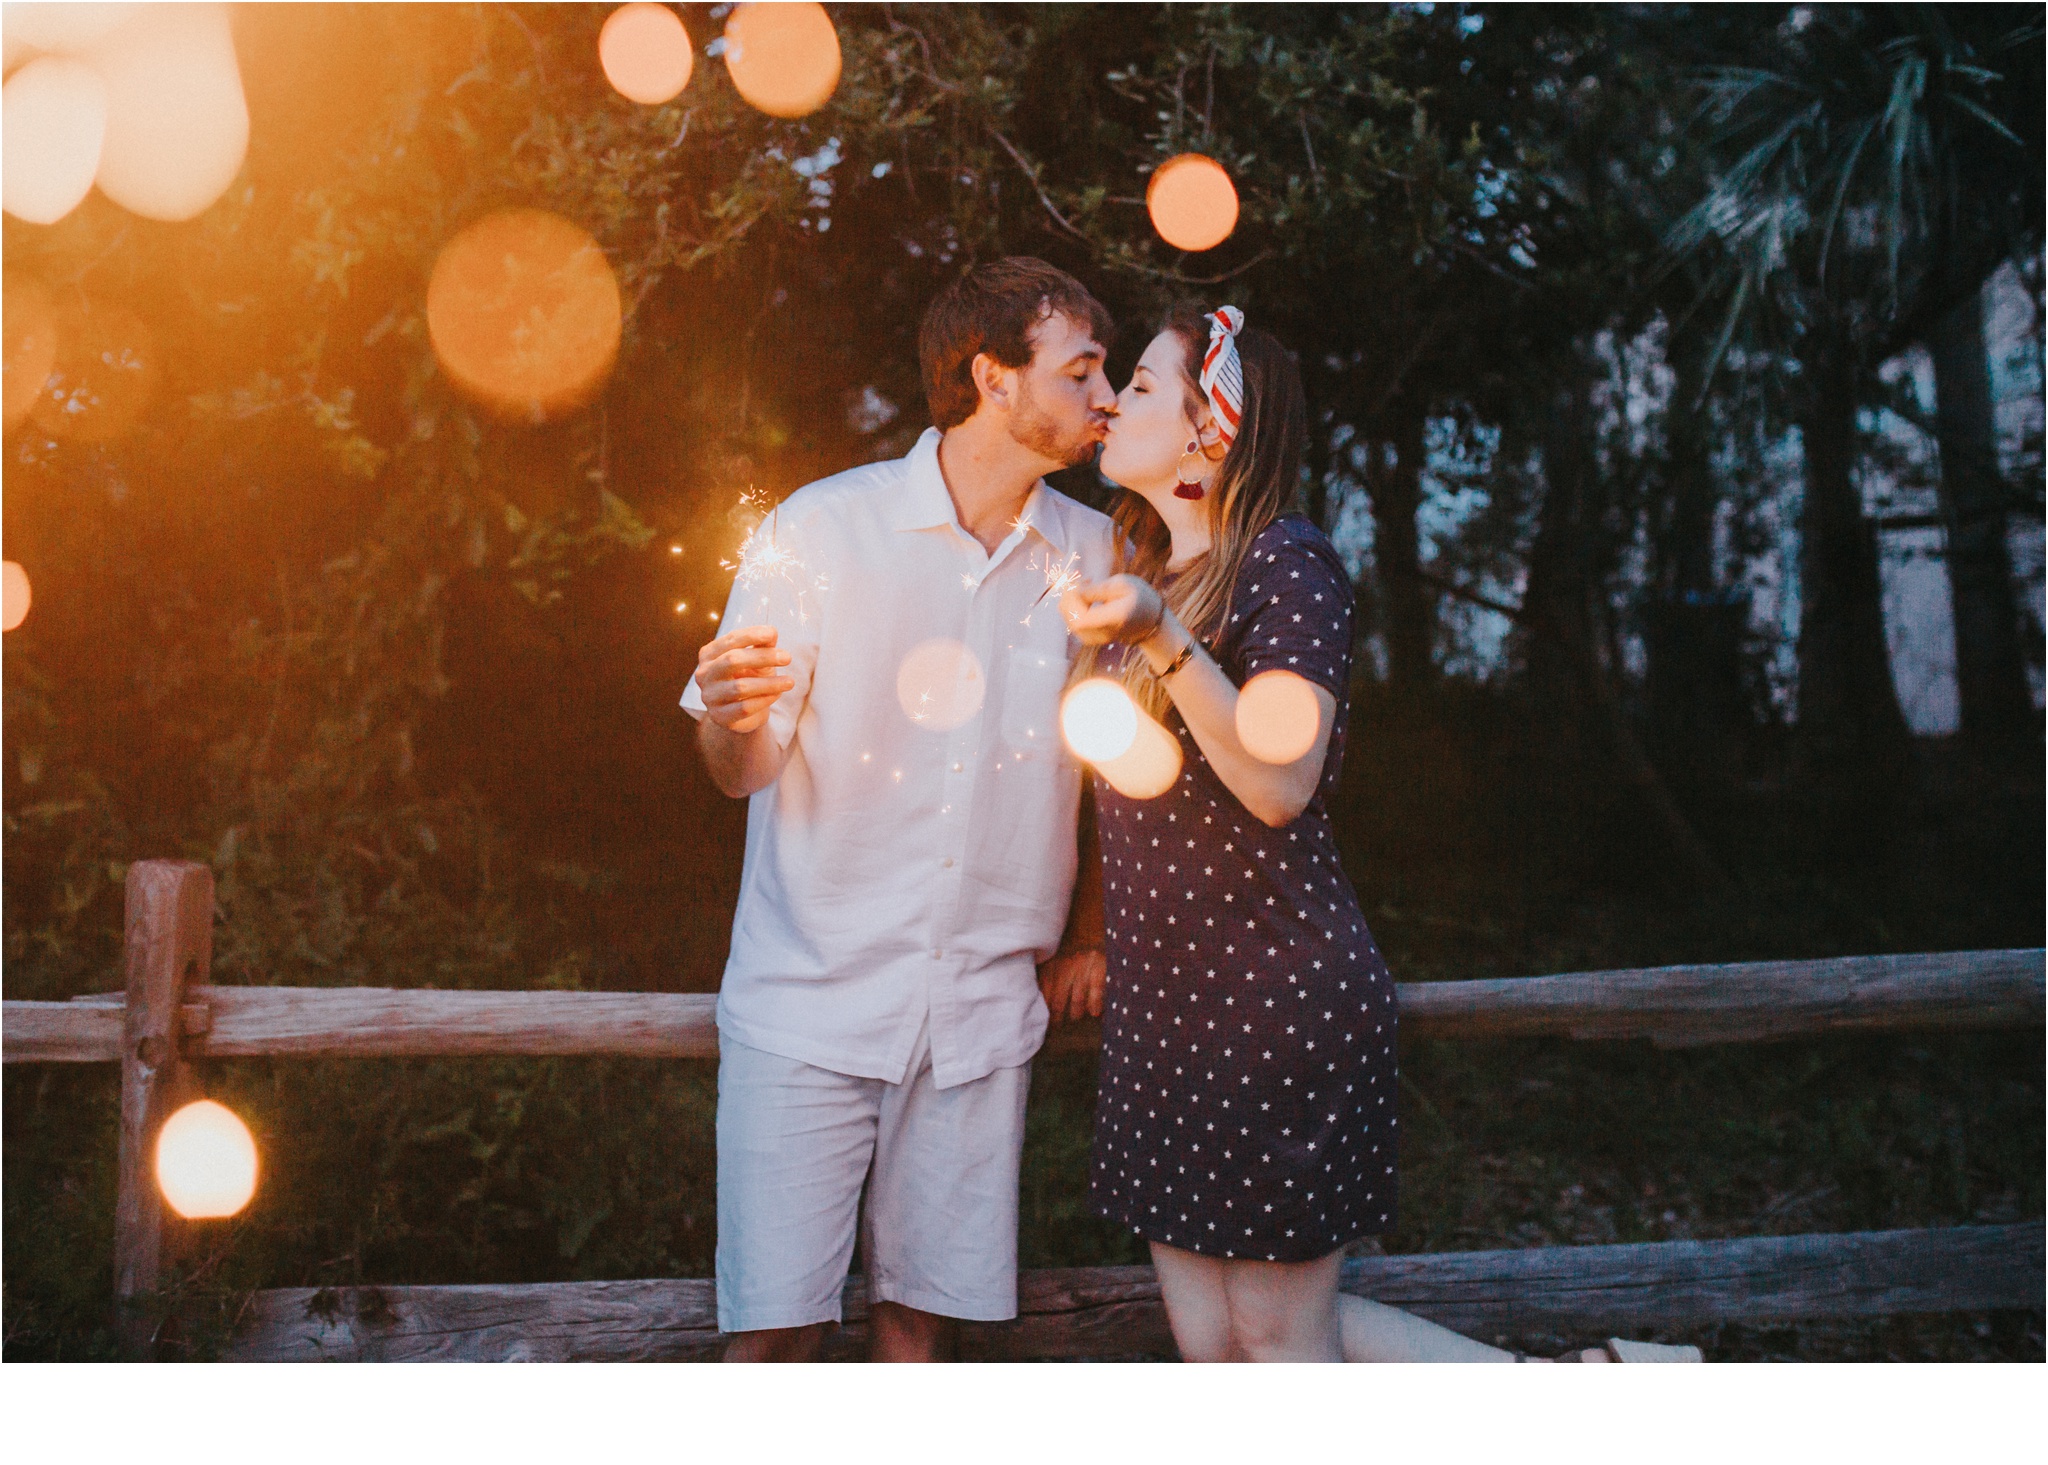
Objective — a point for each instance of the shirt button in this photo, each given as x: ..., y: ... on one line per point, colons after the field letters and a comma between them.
x: 958, y: 766
x: 938, y: 953
x: 946, y: 863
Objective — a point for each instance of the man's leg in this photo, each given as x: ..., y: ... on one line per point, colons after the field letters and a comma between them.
x: 778, y: 1345
x: 941, y: 1232
x: 899, y: 1334
x: 794, y: 1143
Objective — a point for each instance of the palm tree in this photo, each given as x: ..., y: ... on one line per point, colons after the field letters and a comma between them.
x: 1865, y: 189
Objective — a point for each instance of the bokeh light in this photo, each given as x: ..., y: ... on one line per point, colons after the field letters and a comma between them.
x: 206, y: 1161
x: 1192, y: 201
x: 30, y: 351
x: 1149, y: 767
x: 645, y: 53
x: 53, y: 123
x: 1277, y: 717
x: 940, y: 684
x: 524, y: 312
x: 177, y: 123
x: 1098, y: 720
x: 14, y: 595
x: 105, y: 376
x: 64, y: 27
x: 783, y: 56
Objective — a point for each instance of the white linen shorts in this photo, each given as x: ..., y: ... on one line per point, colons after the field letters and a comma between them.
x: 795, y: 1144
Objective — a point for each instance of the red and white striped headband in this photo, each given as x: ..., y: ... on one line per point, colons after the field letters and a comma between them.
x: 1223, y: 374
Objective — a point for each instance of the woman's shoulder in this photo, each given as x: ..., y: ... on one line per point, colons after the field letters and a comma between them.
x: 1287, y: 550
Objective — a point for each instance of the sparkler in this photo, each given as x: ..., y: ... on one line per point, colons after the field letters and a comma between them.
x: 764, y: 557
x: 1060, y: 577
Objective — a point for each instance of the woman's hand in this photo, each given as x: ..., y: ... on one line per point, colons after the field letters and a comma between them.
x: 1122, y: 608
x: 1072, y: 985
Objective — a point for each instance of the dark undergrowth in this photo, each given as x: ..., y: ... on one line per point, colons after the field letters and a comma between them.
x: 484, y: 1170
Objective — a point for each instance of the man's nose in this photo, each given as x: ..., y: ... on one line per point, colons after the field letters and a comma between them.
x: 1105, y: 400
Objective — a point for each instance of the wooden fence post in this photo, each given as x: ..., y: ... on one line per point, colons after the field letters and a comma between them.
x: 169, y: 938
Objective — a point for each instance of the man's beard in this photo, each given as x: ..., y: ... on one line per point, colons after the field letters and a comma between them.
x: 1033, y: 429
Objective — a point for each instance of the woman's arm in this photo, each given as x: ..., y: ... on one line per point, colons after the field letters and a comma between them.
x: 1275, y: 794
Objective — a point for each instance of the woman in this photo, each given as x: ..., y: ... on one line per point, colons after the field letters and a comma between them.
x: 1245, y: 1123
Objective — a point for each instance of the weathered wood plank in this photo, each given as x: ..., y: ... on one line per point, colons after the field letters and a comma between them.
x: 1675, y: 1006
x: 1587, y: 1291
x: 79, y: 1031
x: 375, y: 1022
x: 169, y: 946
x: 1686, y: 1005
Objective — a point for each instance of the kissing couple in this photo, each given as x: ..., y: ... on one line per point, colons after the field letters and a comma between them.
x: 927, y: 882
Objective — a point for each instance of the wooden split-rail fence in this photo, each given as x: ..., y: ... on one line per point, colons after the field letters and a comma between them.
x: 170, y: 1016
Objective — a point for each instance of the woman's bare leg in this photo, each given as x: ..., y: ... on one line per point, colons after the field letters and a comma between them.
x: 1285, y: 1312
x: 1191, y: 1285
x: 1375, y: 1333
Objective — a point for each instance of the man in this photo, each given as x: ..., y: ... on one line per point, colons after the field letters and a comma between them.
x: 889, y: 701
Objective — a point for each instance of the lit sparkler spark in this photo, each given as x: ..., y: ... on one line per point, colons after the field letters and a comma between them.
x: 1060, y: 577
x: 764, y: 557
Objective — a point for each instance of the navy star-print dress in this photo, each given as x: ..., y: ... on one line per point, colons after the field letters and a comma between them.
x: 1246, y: 1102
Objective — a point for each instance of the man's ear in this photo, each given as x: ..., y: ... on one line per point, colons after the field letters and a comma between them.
x: 993, y: 381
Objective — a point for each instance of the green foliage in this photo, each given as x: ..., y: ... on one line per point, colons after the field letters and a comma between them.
x: 404, y: 672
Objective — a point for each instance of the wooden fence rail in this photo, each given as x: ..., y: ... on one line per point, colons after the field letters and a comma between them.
x: 1672, y: 1006
x: 1092, y: 1312
x: 168, y: 1017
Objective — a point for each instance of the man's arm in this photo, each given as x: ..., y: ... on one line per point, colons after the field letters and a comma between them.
x: 1072, y: 981
x: 739, y: 677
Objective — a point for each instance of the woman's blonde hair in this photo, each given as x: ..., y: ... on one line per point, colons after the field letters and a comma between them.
x: 1258, y: 480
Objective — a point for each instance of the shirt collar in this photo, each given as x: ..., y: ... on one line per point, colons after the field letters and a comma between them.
x: 926, y: 504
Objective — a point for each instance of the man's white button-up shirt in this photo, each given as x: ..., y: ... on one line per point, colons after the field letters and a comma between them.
x: 917, y: 853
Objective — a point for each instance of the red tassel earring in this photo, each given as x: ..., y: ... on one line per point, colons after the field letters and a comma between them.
x: 1182, y: 488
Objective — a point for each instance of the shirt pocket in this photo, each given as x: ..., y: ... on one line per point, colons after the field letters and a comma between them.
x: 1032, y: 684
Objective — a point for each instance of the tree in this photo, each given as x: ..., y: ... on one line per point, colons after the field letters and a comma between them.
x: 1843, y: 222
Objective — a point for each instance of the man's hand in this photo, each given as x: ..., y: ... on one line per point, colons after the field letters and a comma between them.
x: 737, y: 678
x: 1122, y: 608
x: 1072, y: 984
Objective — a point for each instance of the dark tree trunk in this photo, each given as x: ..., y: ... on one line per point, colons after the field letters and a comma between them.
x: 1694, y: 627
x: 1576, y: 704
x: 1315, y: 494
x: 1408, y: 605
x: 1851, y: 729
x: 1991, y: 674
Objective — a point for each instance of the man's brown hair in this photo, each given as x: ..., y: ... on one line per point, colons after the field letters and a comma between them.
x: 993, y: 308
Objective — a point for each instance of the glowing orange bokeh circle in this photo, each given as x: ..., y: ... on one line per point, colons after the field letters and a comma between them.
x: 524, y: 313
x: 783, y: 57
x: 1192, y: 201
x: 205, y: 1161
x: 14, y: 595
x: 1278, y: 717
x: 645, y: 53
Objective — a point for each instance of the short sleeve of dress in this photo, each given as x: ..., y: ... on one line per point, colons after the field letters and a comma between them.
x: 1296, y: 607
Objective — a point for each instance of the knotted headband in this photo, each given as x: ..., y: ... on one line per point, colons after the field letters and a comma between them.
x: 1222, y: 375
